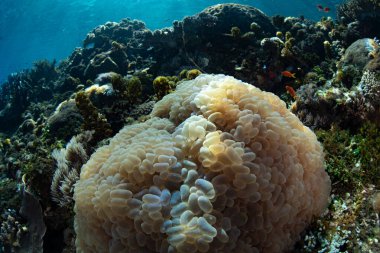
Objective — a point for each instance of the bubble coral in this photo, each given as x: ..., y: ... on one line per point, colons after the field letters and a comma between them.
x: 220, y: 167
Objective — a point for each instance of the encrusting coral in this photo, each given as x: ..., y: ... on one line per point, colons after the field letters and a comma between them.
x: 220, y: 167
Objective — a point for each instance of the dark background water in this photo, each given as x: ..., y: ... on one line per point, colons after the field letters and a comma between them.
x: 46, y: 29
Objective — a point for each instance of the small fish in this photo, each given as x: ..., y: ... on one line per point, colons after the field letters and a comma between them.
x: 288, y: 74
x: 291, y: 91
x: 321, y: 8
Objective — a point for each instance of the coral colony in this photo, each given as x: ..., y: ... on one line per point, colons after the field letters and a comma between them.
x: 231, y: 131
x: 219, y: 166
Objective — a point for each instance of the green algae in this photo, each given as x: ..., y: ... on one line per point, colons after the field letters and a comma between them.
x: 164, y: 85
x: 9, y: 197
x: 93, y: 119
x: 352, y: 159
x: 192, y: 74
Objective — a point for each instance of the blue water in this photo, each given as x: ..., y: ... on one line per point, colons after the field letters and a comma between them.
x: 46, y: 29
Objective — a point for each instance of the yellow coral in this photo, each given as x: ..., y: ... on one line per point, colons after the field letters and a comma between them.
x: 7, y: 141
x: 95, y: 88
x: 162, y: 86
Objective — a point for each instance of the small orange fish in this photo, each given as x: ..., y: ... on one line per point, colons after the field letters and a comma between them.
x: 321, y: 8
x: 288, y: 74
x: 291, y: 91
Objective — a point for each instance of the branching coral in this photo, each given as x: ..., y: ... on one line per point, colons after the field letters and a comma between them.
x: 220, y: 166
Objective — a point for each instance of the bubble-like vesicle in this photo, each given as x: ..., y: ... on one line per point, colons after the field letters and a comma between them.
x: 219, y: 167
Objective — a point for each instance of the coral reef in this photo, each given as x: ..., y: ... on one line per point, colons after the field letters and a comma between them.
x: 327, y: 72
x: 23, y: 88
x: 119, y: 96
x: 221, y: 165
x: 352, y: 159
x: 350, y: 225
x: 366, y: 13
x: 351, y: 92
x: 359, y: 53
x: 110, y: 47
x: 351, y: 221
x: 165, y: 51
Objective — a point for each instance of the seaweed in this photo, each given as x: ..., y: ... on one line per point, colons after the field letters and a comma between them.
x: 352, y: 159
x: 93, y: 119
x: 192, y: 74
x: 163, y: 85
